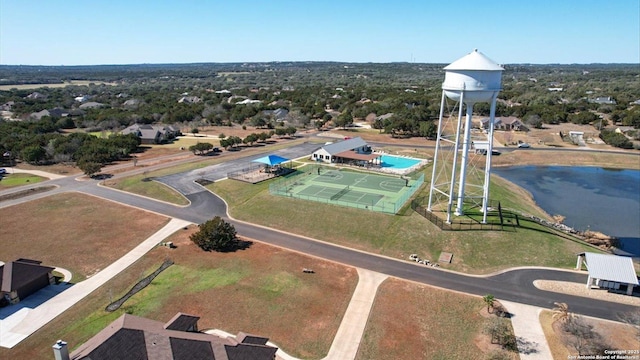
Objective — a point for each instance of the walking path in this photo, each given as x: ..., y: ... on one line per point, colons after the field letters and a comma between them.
x: 345, y: 344
x: 44, y: 174
x: 525, y: 319
x: 20, y: 324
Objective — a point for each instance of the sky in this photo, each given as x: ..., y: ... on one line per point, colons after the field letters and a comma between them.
x: 92, y: 32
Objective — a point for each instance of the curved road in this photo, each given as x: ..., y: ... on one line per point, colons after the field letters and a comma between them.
x: 515, y: 285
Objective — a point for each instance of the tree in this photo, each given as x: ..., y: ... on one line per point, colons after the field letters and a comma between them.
x: 89, y: 168
x: 215, y: 234
x: 428, y: 129
x: 33, y: 154
x: 561, y: 312
x: 533, y: 120
x: 489, y: 299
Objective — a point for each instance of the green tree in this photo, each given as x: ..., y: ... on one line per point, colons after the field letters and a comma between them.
x: 34, y: 154
x: 90, y: 168
x: 489, y: 300
x: 428, y: 129
x: 215, y: 234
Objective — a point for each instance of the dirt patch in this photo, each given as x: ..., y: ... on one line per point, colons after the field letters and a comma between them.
x: 413, y: 321
x: 78, y: 232
x: 617, y: 336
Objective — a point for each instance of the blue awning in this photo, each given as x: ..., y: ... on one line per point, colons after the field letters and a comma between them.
x: 271, y: 160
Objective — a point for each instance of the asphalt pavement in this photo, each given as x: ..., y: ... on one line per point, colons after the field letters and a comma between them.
x: 516, y: 285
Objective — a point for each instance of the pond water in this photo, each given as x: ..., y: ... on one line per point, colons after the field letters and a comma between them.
x: 590, y: 198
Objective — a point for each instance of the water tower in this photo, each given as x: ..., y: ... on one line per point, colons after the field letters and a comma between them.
x: 471, y: 79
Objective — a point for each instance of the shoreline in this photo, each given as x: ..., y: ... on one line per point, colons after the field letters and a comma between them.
x: 604, y: 240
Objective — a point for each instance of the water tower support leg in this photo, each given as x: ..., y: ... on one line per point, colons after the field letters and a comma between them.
x: 487, y: 166
x: 466, y: 144
x: 455, y: 159
x: 437, y: 152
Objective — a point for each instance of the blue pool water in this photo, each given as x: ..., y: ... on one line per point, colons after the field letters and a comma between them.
x: 395, y: 162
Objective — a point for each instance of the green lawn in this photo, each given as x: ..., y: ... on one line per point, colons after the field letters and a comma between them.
x: 141, y: 185
x: 18, y: 179
x: 400, y: 235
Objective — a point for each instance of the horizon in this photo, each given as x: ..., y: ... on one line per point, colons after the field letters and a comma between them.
x: 42, y: 33
x: 307, y: 61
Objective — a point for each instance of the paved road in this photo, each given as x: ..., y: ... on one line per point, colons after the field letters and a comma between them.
x: 185, y: 182
x: 516, y: 285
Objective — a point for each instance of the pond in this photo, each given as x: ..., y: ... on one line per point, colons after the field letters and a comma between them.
x: 590, y: 198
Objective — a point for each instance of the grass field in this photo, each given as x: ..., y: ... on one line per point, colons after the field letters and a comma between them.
x: 412, y: 321
x: 400, y: 235
x: 18, y: 179
x: 77, y: 232
x: 260, y: 290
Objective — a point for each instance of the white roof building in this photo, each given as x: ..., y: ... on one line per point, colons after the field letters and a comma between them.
x: 609, y: 271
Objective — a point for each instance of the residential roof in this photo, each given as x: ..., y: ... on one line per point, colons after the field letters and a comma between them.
x: 350, y: 144
x: 18, y: 273
x: 182, y: 322
x: 611, y: 268
x: 134, y: 337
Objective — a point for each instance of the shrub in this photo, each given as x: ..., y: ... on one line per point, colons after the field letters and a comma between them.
x: 217, y: 235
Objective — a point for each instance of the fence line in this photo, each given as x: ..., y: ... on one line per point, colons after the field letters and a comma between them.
x: 459, y: 224
x: 284, y: 187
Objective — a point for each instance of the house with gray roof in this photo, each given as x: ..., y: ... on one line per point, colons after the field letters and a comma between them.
x: 153, y: 134
x: 134, y: 337
x: 91, y: 105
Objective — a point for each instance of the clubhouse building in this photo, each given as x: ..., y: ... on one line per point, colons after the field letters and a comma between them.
x: 353, y: 151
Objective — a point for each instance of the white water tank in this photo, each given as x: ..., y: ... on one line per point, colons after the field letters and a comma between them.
x: 475, y: 74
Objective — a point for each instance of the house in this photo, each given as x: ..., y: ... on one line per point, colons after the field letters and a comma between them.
x: 353, y: 150
x: 509, y: 123
x: 604, y: 100
x: 153, y: 134
x: 189, y: 99
x: 36, y: 96
x: 279, y: 114
x: 248, y: 101
x: 91, y: 105
x: 134, y: 337
x: 132, y: 103
x: 612, y: 272
x: 40, y: 114
x: 9, y: 104
x: 23, y: 277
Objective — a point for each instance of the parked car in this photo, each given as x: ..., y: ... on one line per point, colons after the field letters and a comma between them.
x: 524, y: 146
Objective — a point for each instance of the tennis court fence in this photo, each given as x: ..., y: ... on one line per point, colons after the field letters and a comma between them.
x: 289, y: 186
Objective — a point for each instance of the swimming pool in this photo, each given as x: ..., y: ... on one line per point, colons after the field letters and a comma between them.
x: 396, y: 162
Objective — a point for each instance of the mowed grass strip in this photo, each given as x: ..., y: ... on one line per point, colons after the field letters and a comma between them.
x: 260, y: 290
x: 412, y: 321
x: 142, y: 185
x: 77, y: 232
x: 18, y: 179
x: 400, y: 235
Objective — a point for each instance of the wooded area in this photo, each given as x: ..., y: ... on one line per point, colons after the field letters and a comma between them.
x: 400, y: 99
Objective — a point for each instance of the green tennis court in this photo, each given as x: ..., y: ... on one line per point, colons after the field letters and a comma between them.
x: 362, y: 190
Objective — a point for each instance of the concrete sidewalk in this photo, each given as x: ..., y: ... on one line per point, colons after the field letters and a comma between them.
x: 532, y: 344
x: 347, y: 340
x: 24, y: 322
